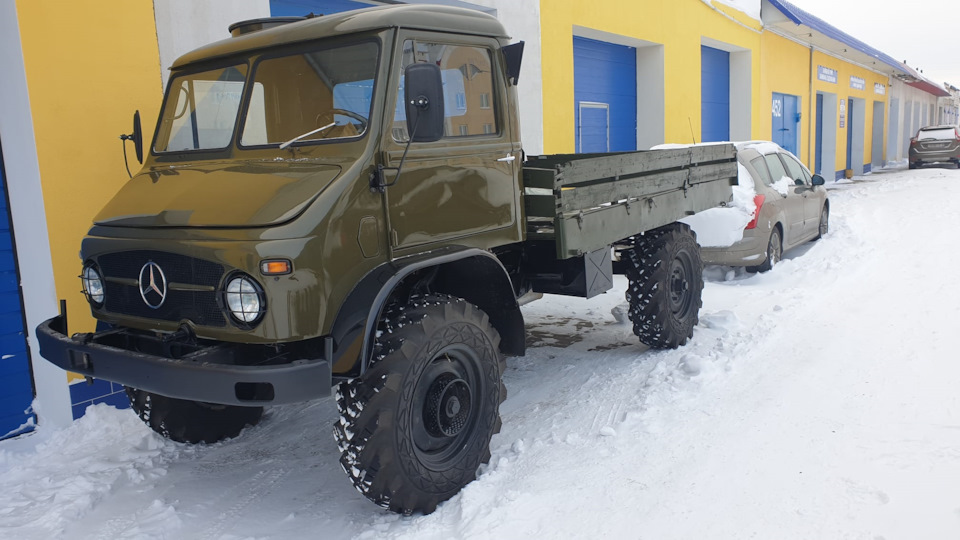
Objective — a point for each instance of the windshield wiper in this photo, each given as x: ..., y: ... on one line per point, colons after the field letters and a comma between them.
x: 307, y: 134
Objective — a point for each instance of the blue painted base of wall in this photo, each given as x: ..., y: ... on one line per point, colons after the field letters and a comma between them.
x: 841, y: 174
x: 83, y: 394
x: 867, y: 167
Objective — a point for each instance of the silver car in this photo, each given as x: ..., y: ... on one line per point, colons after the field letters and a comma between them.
x: 791, y: 208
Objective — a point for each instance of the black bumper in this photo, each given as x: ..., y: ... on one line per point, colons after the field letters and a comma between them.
x: 203, y: 373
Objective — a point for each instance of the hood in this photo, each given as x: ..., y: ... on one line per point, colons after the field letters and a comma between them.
x: 234, y: 194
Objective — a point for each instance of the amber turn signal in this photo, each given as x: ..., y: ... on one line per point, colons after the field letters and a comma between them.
x: 276, y: 267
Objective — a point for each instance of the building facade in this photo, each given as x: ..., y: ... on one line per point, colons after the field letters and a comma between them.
x: 614, y: 75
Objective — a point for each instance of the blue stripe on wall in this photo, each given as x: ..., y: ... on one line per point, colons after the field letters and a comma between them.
x: 16, y: 388
x: 714, y: 94
x: 299, y: 8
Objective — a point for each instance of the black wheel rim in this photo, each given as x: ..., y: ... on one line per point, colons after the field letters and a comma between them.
x: 446, y: 406
x: 681, y: 295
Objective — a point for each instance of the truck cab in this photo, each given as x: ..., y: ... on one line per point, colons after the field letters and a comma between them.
x: 344, y: 200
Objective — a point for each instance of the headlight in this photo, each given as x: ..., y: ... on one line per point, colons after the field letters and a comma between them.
x: 92, y: 285
x: 245, y: 299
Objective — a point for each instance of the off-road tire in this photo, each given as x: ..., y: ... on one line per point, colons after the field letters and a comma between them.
x: 666, y: 281
x: 824, y: 226
x: 774, y: 253
x: 414, y: 429
x: 191, y: 421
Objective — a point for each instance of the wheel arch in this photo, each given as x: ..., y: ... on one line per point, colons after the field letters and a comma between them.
x: 473, y: 274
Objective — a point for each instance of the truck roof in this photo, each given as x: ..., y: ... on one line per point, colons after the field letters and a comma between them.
x: 426, y: 17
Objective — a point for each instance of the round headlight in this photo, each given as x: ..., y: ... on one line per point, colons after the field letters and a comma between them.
x: 92, y: 285
x: 244, y: 299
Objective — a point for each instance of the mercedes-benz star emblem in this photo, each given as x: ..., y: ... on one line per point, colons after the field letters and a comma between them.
x: 153, y: 285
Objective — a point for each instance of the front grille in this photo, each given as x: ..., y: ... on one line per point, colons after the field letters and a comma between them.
x: 198, y: 306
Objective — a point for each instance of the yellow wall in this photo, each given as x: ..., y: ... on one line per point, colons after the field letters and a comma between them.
x: 786, y: 68
x: 843, y: 91
x: 89, y: 66
x: 680, y: 26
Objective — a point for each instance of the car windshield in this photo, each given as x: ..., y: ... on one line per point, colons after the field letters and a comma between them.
x: 317, y: 95
x: 939, y: 134
x: 200, y: 110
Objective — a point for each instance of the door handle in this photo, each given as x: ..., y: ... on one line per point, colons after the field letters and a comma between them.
x: 508, y: 158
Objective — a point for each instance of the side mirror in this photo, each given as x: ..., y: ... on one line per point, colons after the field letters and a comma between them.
x: 136, y: 137
x: 423, y: 95
x: 818, y: 180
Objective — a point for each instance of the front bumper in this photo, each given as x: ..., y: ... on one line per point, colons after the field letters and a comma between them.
x: 208, y: 373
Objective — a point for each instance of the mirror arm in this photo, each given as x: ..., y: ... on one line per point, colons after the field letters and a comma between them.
x: 378, y: 183
x: 124, y: 139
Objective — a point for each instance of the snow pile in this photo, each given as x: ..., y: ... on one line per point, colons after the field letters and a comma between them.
x: 782, y: 186
x: 750, y: 8
x: 805, y: 406
x: 720, y: 227
x: 67, y: 475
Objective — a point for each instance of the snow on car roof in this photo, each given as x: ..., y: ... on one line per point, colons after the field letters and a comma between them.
x: 762, y: 147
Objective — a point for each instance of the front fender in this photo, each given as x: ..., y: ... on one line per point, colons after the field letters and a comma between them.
x: 490, y: 289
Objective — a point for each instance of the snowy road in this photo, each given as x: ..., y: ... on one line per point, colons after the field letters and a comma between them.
x: 815, y: 401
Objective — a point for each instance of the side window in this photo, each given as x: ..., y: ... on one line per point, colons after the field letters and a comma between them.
x: 467, y: 88
x: 761, y: 167
x: 795, y: 170
x: 777, y: 172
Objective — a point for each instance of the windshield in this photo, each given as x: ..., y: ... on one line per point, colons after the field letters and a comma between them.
x: 325, y: 94
x: 201, y: 110
x: 319, y: 95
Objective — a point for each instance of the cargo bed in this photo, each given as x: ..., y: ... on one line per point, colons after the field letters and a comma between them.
x: 585, y: 202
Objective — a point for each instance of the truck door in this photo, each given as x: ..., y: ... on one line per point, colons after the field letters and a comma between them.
x: 465, y: 184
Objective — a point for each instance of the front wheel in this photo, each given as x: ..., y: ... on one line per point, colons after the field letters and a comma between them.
x: 191, y: 421
x: 824, y: 226
x: 416, y: 426
x: 666, y: 280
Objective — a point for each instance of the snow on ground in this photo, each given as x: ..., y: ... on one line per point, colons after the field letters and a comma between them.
x: 815, y: 401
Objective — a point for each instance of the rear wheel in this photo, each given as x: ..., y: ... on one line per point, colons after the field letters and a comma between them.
x: 666, y: 280
x: 416, y: 426
x: 191, y: 421
x: 774, y: 252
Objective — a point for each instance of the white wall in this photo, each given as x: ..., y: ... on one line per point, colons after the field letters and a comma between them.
x: 522, y: 21
x: 29, y: 217
x: 914, y: 105
x: 184, y: 25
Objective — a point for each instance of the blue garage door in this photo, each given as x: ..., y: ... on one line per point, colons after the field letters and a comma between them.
x: 786, y: 121
x: 16, y: 388
x: 299, y: 8
x: 714, y: 94
x: 605, y: 96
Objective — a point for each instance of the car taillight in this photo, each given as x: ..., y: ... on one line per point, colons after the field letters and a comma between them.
x: 758, y: 203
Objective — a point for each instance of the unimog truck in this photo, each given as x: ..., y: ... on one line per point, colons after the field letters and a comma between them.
x: 343, y: 201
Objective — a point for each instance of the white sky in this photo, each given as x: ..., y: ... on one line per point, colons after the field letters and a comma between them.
x: 925, y: 33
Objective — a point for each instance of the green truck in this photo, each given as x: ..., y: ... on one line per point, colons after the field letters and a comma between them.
x: 343, y: 201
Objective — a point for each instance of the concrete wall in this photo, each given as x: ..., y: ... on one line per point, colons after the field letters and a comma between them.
x: 184, y: 25
x: 907, y: 119
x: 522, y: 21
